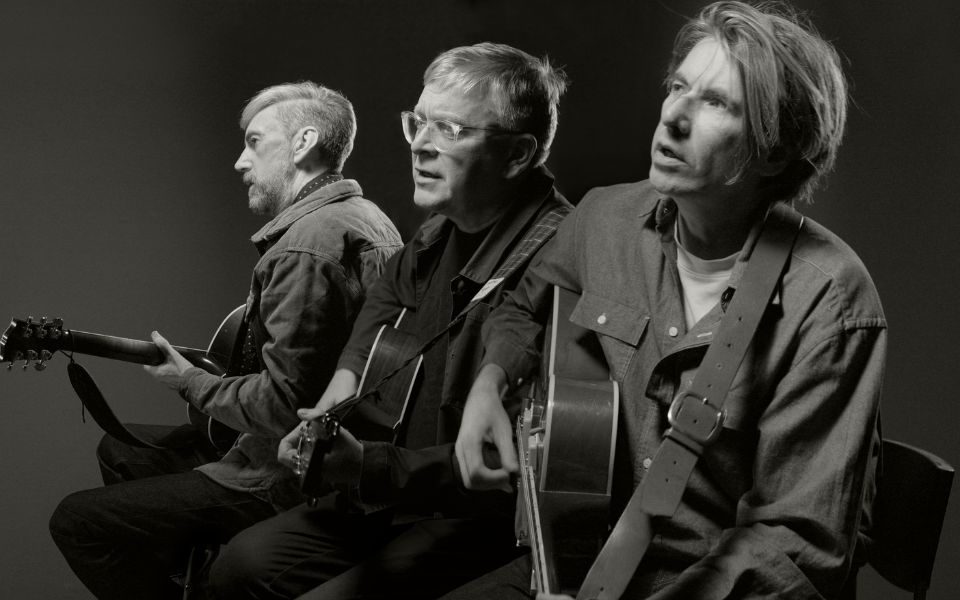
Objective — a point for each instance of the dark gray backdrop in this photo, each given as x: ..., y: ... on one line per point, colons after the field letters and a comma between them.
x: 120, y: 211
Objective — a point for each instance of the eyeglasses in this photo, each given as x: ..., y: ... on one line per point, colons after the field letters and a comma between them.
x: 446, y: 133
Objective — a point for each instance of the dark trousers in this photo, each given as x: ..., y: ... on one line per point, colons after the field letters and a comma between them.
x: 509, y: 582
x: 325, y: 553
x: 126, y: 539
x: 512, y: 582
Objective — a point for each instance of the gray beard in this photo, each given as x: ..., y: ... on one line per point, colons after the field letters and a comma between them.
x: 272, y: 195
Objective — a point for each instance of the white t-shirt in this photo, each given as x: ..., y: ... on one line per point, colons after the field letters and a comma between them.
x: 703, y: 281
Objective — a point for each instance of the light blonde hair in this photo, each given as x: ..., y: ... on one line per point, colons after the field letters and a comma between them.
x: 795, y: 93
x: 524, y: 90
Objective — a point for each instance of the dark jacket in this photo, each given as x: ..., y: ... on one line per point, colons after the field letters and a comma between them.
x: 318, y: 258
x: 426, y: 480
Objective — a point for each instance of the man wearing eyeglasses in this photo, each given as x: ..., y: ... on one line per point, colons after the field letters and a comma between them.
x: 400, y: 524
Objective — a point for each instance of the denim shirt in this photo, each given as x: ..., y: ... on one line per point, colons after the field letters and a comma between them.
x: 774, y: 505
x: 426, y: 481
x: 317, y: 260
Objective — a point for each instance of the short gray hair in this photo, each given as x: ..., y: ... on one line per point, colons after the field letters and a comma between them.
x: 795, y: 93
x: 525, y: 91
x: 306, y: 103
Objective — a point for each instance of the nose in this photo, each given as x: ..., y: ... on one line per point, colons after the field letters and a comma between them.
x: 423, y: 143
x: 243, y: 163
x: 675, y: 115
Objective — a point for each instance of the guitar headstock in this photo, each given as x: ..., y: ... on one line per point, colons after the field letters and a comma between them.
x: 31, y: 342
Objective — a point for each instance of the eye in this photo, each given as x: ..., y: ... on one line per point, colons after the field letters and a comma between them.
x: 715, y: 102
x: 447, y: 129
x: 674, y: 87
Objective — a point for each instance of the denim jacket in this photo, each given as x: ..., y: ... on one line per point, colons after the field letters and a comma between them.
x: 774, y: 505
x: 317, y: 260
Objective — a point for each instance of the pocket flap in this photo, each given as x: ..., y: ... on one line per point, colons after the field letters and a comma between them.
x: 609, y: 318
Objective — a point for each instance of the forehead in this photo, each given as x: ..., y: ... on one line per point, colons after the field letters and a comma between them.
x: 450, y: 102
x: 709, y: 66
x: 265, y: 121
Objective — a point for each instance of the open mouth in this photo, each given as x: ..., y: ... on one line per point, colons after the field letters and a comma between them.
x: 668, y: 153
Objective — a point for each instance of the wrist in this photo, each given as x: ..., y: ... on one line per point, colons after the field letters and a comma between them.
x: 492, y: 379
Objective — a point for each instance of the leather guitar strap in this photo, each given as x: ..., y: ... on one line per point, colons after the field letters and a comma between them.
x: 93, y: 400
x: 696, y: 416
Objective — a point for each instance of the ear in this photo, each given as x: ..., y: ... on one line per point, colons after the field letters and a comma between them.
x: 523, y: 148
x: 773, y: 162
x: 303, y: 142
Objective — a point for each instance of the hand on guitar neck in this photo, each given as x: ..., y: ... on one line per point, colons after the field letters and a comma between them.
x: 170, y: 371
x: 342, y: 462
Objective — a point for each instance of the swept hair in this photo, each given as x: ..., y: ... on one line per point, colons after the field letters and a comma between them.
x: 525, y: 90
x: 795, y: 93
x: 306, y: 103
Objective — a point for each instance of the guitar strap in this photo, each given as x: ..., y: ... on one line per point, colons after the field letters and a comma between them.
x: 696, y: 416
x: 93, y: 400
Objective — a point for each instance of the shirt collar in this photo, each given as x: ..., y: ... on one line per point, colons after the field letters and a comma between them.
x: 663, y: 218
x: 319, y: 191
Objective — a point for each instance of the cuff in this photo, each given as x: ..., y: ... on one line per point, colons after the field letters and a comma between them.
x: 517, y: 362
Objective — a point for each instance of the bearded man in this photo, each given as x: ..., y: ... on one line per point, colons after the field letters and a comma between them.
x: 323, y: 248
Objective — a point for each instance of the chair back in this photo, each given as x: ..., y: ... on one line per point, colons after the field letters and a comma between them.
x: 912, y: 492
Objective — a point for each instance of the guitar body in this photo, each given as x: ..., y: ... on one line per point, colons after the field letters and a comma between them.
x: 565, y: 436
x: 221, y: 358
x: 379, y: 418
x: 36, y: 342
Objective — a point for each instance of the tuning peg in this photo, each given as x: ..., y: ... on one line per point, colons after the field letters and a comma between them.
x: 57, y: 330
x: 40, y: 366
x: 45, y: 355
x: 41, y: 329
x: 28, y: 329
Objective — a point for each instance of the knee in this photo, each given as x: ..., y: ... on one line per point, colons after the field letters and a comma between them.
x: 110, y: 454
x: 71, y: 522
x: 240, y: 570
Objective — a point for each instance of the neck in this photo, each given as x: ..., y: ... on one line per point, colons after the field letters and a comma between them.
x: 716, y: 228
x: 305, y: 176
x: 484, y: 213
x: 301, y: 178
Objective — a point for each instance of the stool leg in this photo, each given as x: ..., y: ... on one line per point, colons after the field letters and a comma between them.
x: 201, y: 556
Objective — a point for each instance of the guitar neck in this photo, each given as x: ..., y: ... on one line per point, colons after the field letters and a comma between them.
x: 125, y: 349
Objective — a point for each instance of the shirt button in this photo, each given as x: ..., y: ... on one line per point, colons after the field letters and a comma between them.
x: 519, y: 381
x: 647, y: 462
x: 602, y: 319
x: 673, y: 331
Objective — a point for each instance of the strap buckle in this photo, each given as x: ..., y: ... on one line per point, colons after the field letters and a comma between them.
x: 694, y: 422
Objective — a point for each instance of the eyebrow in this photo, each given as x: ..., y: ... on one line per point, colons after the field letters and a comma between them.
x: 707, y: 92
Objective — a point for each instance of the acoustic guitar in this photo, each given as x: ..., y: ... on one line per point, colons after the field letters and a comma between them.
x: 35, y: 342
x: 565, y: 440
x: 376, y: 411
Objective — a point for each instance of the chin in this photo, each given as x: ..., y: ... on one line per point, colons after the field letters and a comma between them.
x: 427, y: 200
x: 667, y: 184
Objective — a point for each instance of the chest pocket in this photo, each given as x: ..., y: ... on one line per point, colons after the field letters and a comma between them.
x: 619, y: 327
